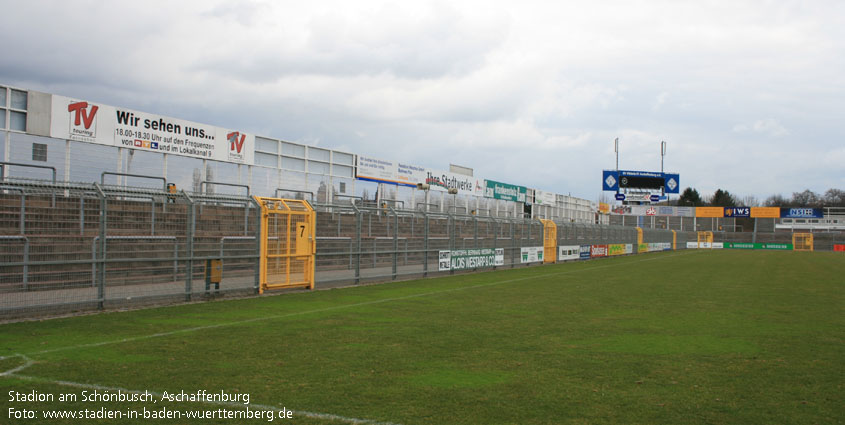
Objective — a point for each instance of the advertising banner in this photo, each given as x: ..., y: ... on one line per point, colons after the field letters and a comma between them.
x: 598, y: 251
x: 839, y: 248
x: 744, y: 245
x: 394, y: 172
x: 737, y: 212
x: 443, y: 181
x: 765, y: 212
x: 615, y: 249
x: 641, y: 248
x: 711, y: 212
x: 532, y: 254
x: 646, y: 210
x: 585, y: 252
x: 801, y: 213
x: 629, y: 248
x: 568, y: 252
x: 604, y: 208
x: 465, y: 259
x: 544, y: 198
x: 508, y: 192
x: 713, y: 245
x: 380, y: 170
x: 108, y: 125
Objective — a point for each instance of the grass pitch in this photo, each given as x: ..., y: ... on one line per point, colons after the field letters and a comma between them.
x: 727, y: 337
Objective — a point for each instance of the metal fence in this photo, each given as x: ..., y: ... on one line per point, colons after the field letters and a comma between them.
x: 70, y: 247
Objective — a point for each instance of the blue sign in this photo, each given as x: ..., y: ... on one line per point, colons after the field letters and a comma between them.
x: 620, y: 196
x: 610, y: 180
x: 801, y: 213
x: 737, y: 212
x: 654, y: 198
x: 584, y: 252
x: 673, y: 183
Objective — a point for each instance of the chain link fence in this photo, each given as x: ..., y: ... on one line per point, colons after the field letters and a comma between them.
x: 68, y: 247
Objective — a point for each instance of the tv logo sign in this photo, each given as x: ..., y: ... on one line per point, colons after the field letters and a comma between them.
x: 236, y: 146
x: 82, y: 120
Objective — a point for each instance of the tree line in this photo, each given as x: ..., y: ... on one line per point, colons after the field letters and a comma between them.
x: 722, y: 198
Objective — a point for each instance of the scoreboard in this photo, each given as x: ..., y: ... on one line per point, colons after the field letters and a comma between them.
x: 613, y: 180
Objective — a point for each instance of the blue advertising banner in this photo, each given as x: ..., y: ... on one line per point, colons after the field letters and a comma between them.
x: 801, y: 213
x: 737, y: 212
x: 584, y: 252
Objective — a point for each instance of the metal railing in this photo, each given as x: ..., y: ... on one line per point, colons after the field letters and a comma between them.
x: 68, y: 247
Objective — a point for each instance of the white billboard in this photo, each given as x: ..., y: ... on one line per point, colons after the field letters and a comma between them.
x: 544, y: 198
x: 531, y: 254
x: 569, y: 252
x: 108, y: 125
x: 394, y: 172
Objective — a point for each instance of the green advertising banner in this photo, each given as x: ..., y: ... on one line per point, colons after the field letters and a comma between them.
x: 464, y: 259
x: 508, y: 192
x: 743, y: 245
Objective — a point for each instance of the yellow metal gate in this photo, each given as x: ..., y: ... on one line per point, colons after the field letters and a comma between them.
x: 549, y: 241
x: 288, y: 245
x: 802, y: 241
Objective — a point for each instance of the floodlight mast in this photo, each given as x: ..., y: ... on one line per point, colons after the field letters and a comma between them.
x: 662, y: 154
x: 616, y: 149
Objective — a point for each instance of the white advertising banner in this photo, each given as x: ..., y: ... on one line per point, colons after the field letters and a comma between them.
x: 544, y: 198
x: 394, y: 172
x: 532, y: 254
x: 108, y: 125
x: 568, y: 252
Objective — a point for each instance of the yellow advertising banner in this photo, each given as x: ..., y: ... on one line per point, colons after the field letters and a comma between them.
x: 717, y: 212
x: 616, y: 249
x: 765, y: 212
x: 604, y: 208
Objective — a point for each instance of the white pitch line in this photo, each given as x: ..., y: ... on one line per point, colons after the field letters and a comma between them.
x: 27, y: 363
x: 314, y: 415
x: 340, y: 307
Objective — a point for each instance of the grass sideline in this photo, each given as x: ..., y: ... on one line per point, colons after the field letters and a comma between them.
x: 682, y: 337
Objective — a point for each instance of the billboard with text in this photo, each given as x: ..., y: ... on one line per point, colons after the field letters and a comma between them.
x: 73, y: 119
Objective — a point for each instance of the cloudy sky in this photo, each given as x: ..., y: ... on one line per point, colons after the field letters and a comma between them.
x: 748, y: 95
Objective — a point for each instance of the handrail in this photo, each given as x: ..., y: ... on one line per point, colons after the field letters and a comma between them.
x: 142, y: 176
x: 276, y: 193
x: 207, y: 182
x: 3, y: 164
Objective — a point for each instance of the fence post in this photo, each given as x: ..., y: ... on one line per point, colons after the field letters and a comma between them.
x: 425, y: 246
x: 358, y: 245
x: 101, y: 287
x: 513, y: 245
x: 190, y: 229
x: 495, y: 239
x: 395, y: 239
x: 257, y: 283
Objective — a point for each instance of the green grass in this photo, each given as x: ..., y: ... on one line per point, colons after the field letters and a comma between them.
x: 722, y: 337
